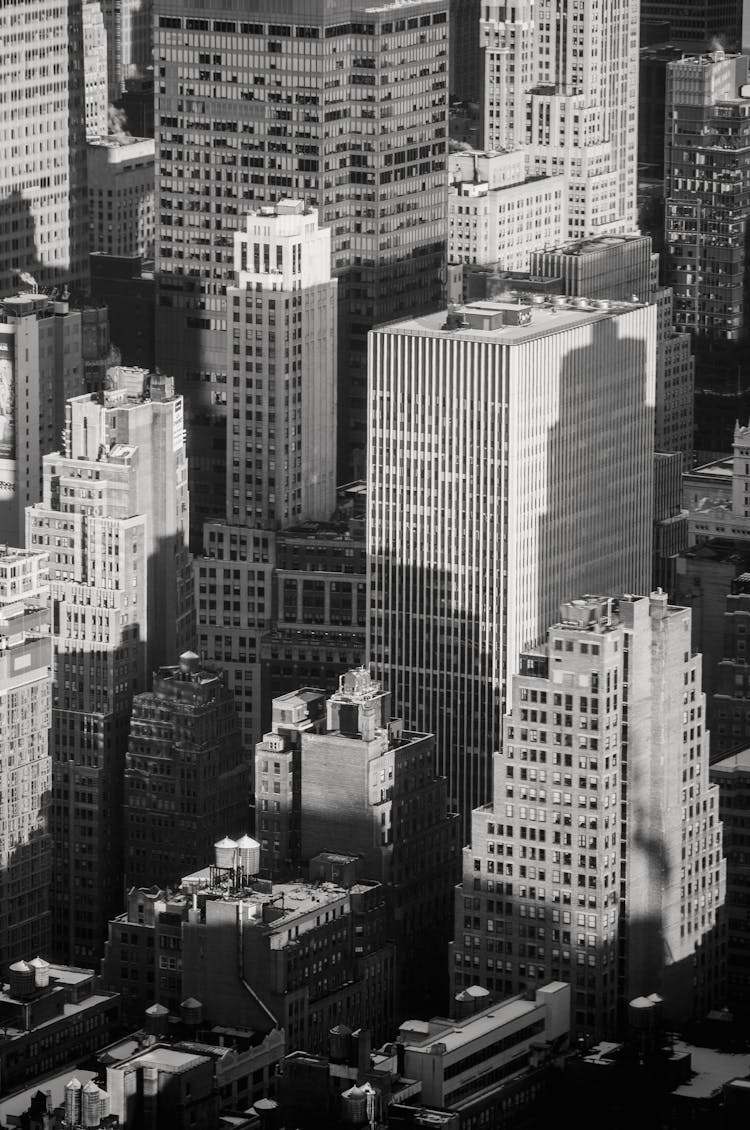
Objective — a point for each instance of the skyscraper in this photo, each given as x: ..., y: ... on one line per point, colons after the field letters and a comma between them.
x: 186, y: 776
x: 114, y: 521
x: 510, y: 447
x: 343, y: 103
x: 599, y: 859
x: 129, y: 41
x: 95, y: 70
x: 25, y: 769
x: 43, y: 222
x: 280, y: 434
x: 562, y: 79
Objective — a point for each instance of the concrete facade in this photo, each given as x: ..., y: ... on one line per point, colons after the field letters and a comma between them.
x: 489, y: 501
x: 599, y: 861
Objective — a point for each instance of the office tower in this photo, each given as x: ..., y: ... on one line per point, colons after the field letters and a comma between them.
x: 41, y: 365
x: 186, y: 776
x: 25, y: 688
x: 95, y: 70
x: 493, y: 497
x: 563, y: 81
x: 732, y: 775
x: 121, y: 196
x: 707, y: 189
x: 344, y: 776
x: 42, y: 183
x: 697, y: 22
x: 282, y: 357
x: 599, y: 859
x: 465, y: 81
x: 498, y: 213
x: 129, y: 42
x: 342, y: 103
x: 280, y: 432
x: 114, y: 521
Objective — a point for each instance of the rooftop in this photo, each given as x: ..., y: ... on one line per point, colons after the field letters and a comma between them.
x: 510, y: 322
x: 733, y: 761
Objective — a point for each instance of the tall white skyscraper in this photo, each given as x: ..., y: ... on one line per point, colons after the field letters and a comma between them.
x: 511, y: 466
x: 560, y: 77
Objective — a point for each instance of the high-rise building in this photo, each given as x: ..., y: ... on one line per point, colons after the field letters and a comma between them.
x: 281, y: 427
x: 344, y: 776
x: 113, y: 519
x: 186, y: 776
x: 562, y: 80
x: 129, y: 42
x: 494, y: 496
x: 341, y: 102
x: 280, y: 435
x: 41, y: 365
x: 95, y: 70
x: 707, y: 190
x: 43, y: 221
x: 599, y: 859
x: 698, y: 22
x: 121, y: 196
x: 25, y: 770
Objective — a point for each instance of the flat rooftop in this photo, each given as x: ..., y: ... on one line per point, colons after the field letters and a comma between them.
x: 551, y: 315
x: 739, y: 761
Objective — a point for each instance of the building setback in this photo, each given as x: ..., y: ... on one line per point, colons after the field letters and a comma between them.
x: 599, y: 860
x: 562, y: 80
x: 341, y: 102
x: 186, y: 776
x: 493, y: 497
x: 113, y: 519
x: 25, y: 770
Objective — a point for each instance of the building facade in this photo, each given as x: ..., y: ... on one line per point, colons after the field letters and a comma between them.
x: 25, y: 706
x: 563, y: 81
x: 599, y: 860
x: 121, y: 196
x: 43, y: 222
x: 113, y: 519
x: 697, y: 21
x: 707, y: 191
x: 343, y: 103
x: 343, y: 776
x: 129, y: 42
x: 489, y: 500
x: 95, y: 70
x: 186, y: 776
x: 732, y: 775
x: 41, y: 366
x: 497, y: 213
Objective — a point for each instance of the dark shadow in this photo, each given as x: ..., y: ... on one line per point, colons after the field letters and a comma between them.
x: 90, y: 725
x: 127, y: 289
x: 186, y: 778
